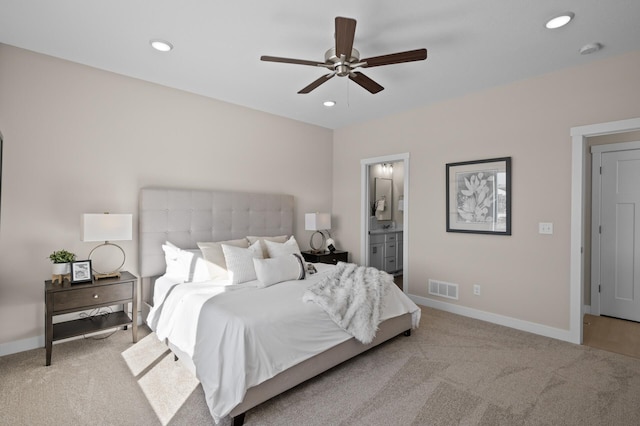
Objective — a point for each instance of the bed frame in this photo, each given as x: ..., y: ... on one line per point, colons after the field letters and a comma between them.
x: 185, y: 216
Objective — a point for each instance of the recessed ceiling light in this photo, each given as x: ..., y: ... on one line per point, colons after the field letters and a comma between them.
x: 329, y: 103
x: 560, y: 20
x: 161, y: 45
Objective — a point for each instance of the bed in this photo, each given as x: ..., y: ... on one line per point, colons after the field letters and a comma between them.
x: 184, y: 217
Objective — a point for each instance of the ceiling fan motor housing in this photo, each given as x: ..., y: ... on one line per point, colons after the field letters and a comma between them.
x: 341, y: 67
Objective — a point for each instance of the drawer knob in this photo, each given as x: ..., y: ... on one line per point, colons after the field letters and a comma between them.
x: 95, y: 296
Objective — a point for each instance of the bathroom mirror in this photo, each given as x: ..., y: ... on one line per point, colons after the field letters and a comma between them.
x: 383, y: 198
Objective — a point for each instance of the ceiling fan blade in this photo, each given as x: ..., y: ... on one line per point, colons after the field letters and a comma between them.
x: 317, y: 83
x: 365, y: 82
x: 395, y: 58
x: 292, y: 61
x: 345, y: 32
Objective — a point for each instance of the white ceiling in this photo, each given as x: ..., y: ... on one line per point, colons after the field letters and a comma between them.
x: 472, y: 45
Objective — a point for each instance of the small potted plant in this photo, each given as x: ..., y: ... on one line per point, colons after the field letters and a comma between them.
x: 61, y: 261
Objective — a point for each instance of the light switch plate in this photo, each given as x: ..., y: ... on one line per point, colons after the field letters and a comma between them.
x: 545, y: 228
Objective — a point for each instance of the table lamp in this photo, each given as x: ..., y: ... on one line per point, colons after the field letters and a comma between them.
x: 106, y: 227
x: 317, y: 222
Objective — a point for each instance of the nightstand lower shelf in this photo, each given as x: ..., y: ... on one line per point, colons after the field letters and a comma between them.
x: 64, y: 330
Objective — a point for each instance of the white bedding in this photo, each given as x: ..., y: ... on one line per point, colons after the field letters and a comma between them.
x: 244, y: 336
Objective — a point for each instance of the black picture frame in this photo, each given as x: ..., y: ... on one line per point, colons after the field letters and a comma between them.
x: 81, y: 272
x: 478, y: 196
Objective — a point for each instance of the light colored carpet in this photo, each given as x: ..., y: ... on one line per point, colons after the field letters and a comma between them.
x: 452, y: 371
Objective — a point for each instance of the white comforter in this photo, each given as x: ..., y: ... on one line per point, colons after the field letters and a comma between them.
x: 242, y: 337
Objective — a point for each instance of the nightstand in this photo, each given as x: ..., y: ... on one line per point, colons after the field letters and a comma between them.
x: 326, y: 257
x: 64, y: 297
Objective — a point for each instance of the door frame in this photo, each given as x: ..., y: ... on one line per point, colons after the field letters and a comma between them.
x: 579, y: 156
x: 595, y: 217
x: 365, y: 164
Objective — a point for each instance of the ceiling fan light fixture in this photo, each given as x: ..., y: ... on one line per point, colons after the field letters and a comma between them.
x: 161, y: 45
x: 559, y: 20
x: 329, y: 104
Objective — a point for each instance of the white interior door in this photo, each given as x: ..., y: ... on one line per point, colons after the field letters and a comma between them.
x: 617, y: 241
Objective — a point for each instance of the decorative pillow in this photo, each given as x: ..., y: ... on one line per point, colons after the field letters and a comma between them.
x: 240, y: 262
x: 283, y: 249
x: 185, y: 265
x: 212, y: 252
x: 279, y: 269
x: 265, y: 253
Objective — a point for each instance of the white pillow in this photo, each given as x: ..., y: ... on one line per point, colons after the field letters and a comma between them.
x: 212, y: 252
x: 279, y: 269
x: 240, y: 262
x: 185, y: 265
x: 265, y: 253
x: 283, y: 249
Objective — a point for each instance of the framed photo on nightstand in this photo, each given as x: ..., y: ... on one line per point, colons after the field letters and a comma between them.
x: 81, y: 272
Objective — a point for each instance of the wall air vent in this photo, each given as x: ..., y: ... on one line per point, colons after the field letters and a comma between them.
x: 443, y: 289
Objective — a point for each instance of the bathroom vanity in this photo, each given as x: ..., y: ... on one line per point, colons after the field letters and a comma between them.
x: 385, y: 250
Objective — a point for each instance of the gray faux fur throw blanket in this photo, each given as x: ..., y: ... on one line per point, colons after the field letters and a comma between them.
x: 352, y: 295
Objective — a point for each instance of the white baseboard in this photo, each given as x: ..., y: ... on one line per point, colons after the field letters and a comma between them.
x: 22, y: 345
x: 587, y: 309
x: 531, y: 327
x: 14, y: 347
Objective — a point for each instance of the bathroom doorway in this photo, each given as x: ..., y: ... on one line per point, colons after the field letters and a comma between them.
x: 385, y: 209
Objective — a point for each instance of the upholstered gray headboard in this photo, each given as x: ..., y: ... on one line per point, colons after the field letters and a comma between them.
x: 186, y: 216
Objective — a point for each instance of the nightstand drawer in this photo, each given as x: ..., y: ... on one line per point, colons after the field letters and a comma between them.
x: 86, y: 297
x: 331, y: 258
x: 335, y: 258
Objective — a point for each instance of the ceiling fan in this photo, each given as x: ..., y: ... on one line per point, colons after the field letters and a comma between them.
x: 343, y: 59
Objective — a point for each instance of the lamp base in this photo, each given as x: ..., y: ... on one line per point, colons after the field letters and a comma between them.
x: 315, y: 249
x: 113, y: 274
x: 98, y: 276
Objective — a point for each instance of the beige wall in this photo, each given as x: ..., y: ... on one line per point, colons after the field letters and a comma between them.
x: 82, y: 140
x: 524, y: 276
x: 78, y: 140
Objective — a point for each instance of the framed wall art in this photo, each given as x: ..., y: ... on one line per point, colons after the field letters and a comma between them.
x: 479, y: 196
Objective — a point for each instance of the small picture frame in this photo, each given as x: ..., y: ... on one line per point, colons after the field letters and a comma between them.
x: 81, y: 272
x: 479, y: 196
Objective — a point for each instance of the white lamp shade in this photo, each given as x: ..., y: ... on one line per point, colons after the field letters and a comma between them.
x: 106, y: 227
x: 317, y: 221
